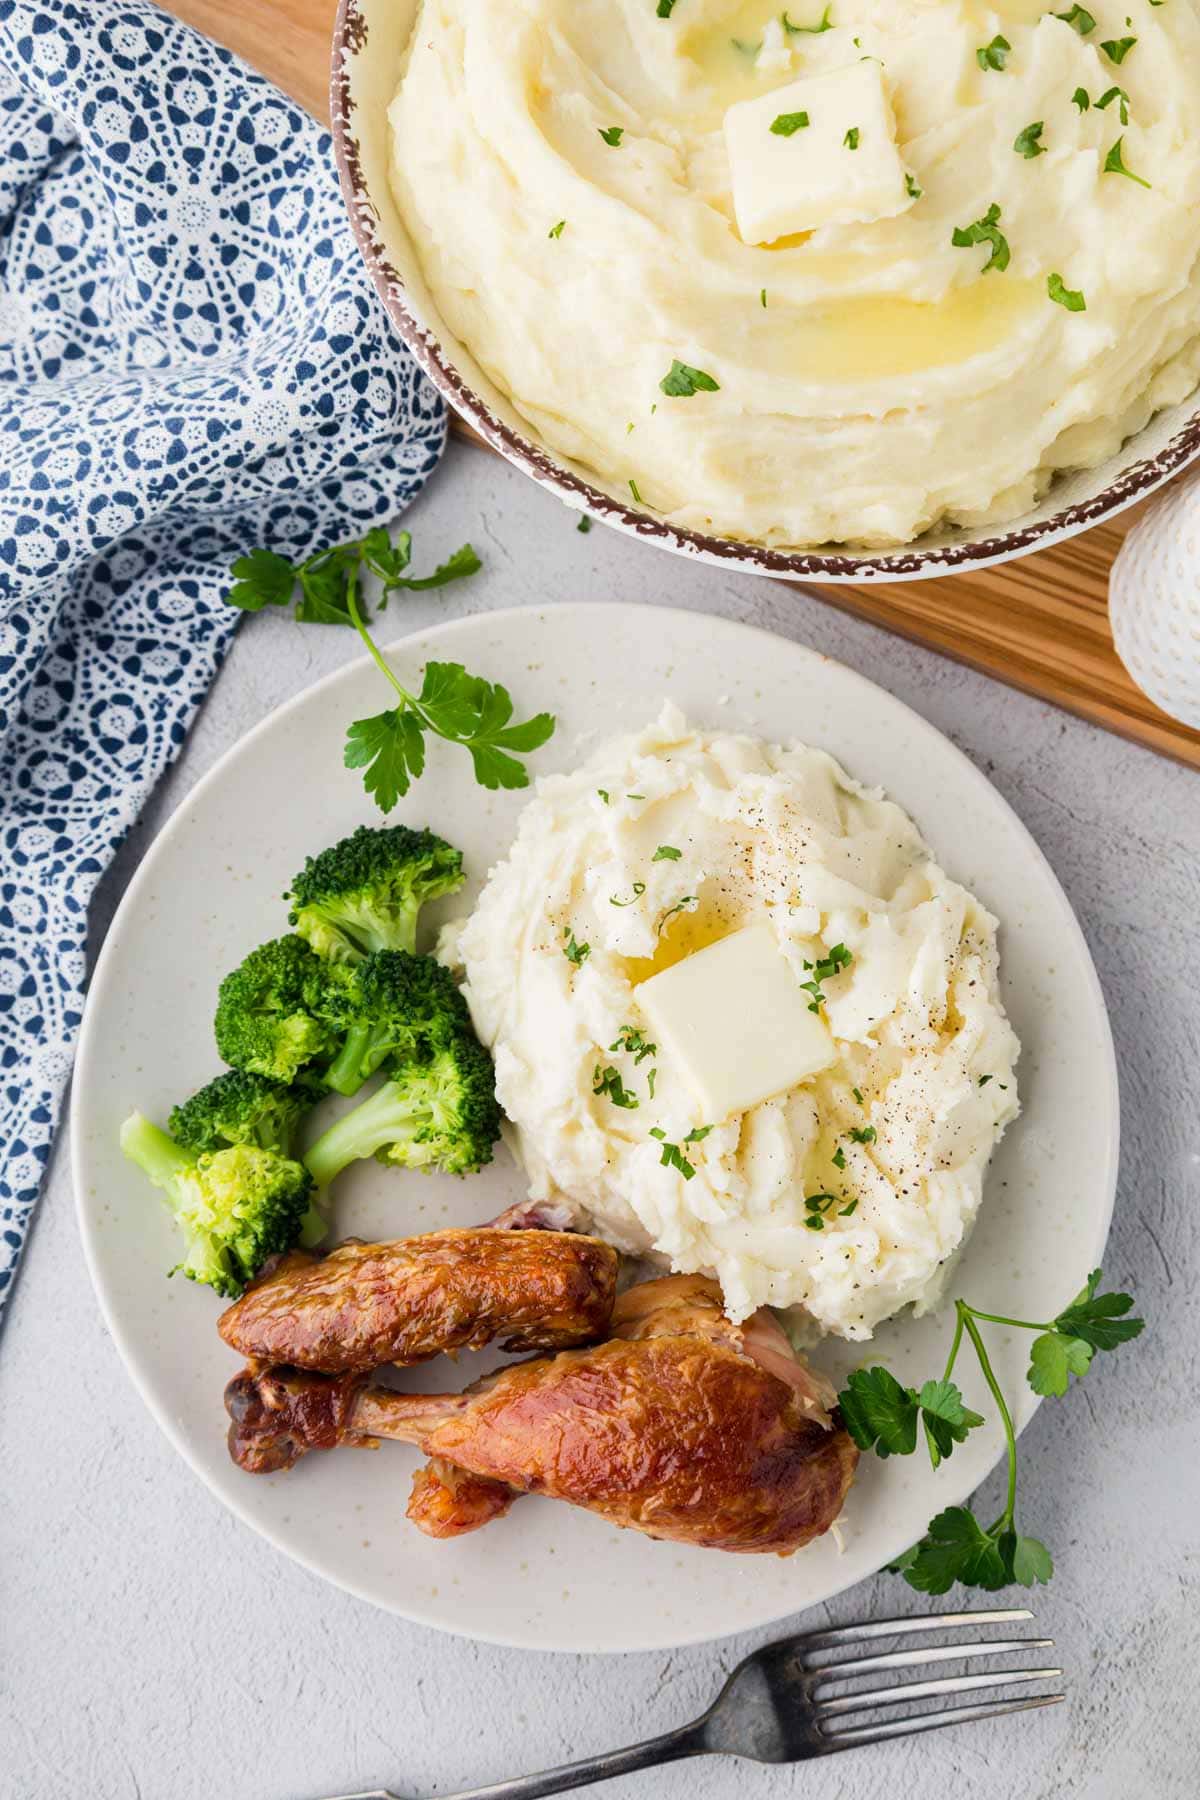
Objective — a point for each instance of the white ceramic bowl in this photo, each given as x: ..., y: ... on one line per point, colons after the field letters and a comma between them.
x: 369, y: 41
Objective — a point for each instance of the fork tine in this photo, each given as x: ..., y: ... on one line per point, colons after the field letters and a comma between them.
x: 903, y: 1659
x: 953, y: 1715
x: 922, y: 1690
x: 850, y: 1634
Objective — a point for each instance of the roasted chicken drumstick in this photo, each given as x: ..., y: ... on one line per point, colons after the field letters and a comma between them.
x: 682, y: 1426
x: 364, y: 1305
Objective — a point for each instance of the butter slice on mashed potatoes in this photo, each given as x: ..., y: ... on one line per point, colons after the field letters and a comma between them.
x: 573, y: 174
x: 672, y: 841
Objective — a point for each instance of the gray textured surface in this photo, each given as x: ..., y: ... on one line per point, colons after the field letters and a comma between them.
x: 151, y: 1647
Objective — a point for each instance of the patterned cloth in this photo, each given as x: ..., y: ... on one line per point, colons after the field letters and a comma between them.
x: 191, y: 362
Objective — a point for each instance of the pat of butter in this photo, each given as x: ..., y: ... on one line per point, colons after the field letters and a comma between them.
x: 841, y: 168
x: 736, y: 1021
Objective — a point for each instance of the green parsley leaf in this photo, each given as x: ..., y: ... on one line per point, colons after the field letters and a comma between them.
x: 697, y: 1134
x: 1080, y: 99
x: 1121, y: 97
x: 788, y: 124
x: 839, y: 958
x: 1062, y: 295
x: 608, y: 1081
x: 672, y: 1156
x: 985, y: 231
x: 763, y: 295
x: 845, y: 1211
x: 1031, y: 1561
x: 825, y: 23
x: 850, y: 141
x: 639, y: 888
x: 556, y: 231
x: 575, y: 953
x: 984, y: 1079
x: 1117, y: 49
x: 634, y: 1043
x: 838, y: 1158
x: 880, y: 1414
x: 993, y: 55
x: 1026, y: 142
x: 666, y: 853
x: 911, y: 189
x: 584, y: 525
x: 1079, y: 19
x: 857, y: 1095
x: 945, y: 1419
x: 864, y: 1136
x: 612, y: 135
x: 603, y: 793
x: 264, y: 579
x: 1053, y: 1359
x: 681, y: 381
x: 665, y: 8
x: 1099, y: 1319
x: 633, y: 488
x: 390, y: 750
x: 1114, y: 164
x: 651, y: 1078
x: 957, y: 1548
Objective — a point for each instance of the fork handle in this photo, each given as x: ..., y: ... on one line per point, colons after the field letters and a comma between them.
x: 687, y: 1741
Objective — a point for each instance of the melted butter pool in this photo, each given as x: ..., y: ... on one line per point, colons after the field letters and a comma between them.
x: 872, y: 338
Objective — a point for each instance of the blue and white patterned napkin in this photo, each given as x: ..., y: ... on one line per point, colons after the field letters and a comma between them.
x: 192, y: 361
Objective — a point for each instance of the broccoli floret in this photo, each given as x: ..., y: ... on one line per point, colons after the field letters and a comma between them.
x: 235, y: 1207
x: 241, y: 1108
x: 391, y: 1004
x: 270, y: 1011
x: 365, y: 893
x: 436, y: 1111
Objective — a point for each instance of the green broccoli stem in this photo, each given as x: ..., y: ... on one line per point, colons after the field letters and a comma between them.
x: 156, y: 1154
x: 347, y: 1072
x: 382, y: 1119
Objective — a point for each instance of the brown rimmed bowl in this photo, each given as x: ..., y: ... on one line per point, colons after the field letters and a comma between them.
x: 368, y: 45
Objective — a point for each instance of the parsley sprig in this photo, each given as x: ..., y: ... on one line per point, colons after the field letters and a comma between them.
x: 883, y: 1415
x: 464, y: 709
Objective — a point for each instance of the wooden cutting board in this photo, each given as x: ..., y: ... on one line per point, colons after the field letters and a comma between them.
x: 1040, y: 624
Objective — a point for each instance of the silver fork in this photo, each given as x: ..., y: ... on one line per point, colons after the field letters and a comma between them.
x: 779, y: 1705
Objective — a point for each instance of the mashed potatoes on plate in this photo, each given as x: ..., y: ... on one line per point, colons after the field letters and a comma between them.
x: 955, y: 248
x: 668, y: 842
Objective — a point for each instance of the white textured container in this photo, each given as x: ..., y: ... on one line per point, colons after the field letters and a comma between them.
x: 1154, y: 603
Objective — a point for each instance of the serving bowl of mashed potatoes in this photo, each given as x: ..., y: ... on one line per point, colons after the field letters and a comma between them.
x: 834, y: 293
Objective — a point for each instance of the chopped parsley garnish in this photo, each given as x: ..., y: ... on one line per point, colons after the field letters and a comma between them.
x: 672, y: 1156
x: 612, y: 134
x: 1081, y: 100
x: 634, y: 1043
x: 788, y: 124
x: 603, y: 793
x: 1062, y: 295
x: 1026, y: 142
x: 635, y: 796
x: 1122, y: 99
x: 1117, y: 49
x: 911, y: 189
x: 608, y: 1081
x: 845, y: 1211
x: 688, y: 900
x: 665, y: 8
x: 818, y: 1205
x: 883, y: 1415
x: 584, y: 525
x: 850, y: 141
x: 985, y: 231
x: 865, y: 1134
x: 839, y: 1158
x: 1114, y: 164
x: 984, y: 1079
x: 651, y: 1078
x: 556, y: 231
x: 666, y: 853
x: 993, y: 55
x: 857, y: 1095
x: 575, y: 953
x: 825, y: 23
x: 639, y: 888
x: 681, y: 381
x: 763, y: 295
x: 1079, y: 19
x: 633, y: 488
x: 839, y: 958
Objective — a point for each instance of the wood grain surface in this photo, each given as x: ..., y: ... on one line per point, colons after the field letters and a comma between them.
x: 1040, y: 623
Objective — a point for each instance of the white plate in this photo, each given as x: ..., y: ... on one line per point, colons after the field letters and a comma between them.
x: 548, y: 1576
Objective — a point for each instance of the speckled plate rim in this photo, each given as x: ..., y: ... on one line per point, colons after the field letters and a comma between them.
x: 953, y: 1488
x: 1139, y: 477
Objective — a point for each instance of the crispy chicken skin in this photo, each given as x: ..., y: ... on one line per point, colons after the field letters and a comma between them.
x: 676, y: 1430
x: 447, y: 1501
x: 365, y: 1305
